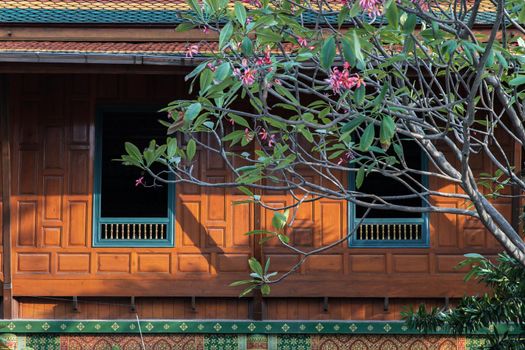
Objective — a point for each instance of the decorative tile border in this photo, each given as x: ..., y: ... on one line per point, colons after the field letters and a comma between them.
x: 215, y: 327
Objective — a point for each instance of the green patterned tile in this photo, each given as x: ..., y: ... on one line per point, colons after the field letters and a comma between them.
x: 221, y: 342
x: 43, y: 342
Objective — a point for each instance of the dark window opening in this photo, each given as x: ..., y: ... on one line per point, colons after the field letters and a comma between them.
x: 383, y: 186
x: 120, y: 197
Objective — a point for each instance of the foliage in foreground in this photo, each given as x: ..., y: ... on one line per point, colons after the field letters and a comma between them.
x: 504, y: 305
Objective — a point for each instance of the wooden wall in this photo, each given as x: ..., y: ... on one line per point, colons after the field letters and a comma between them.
x: 52, y: 142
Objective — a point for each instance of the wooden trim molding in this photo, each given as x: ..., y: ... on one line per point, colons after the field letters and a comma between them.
x: 222, y: 327
x: 126, y: 34
x: 8, y: 301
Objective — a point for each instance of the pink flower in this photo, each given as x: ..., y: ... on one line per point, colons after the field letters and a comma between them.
x: 231, y: 121
x: 277, y: 82
x: 247, y: 75
x: 266, y: 60
x: 192, y: 50
x: 255, y: 3
x: 340, y: 81
x: 263, y: 134
x: 139, y: 181
x: 248, y: 135
x: 373, y: 7
x: 271, y: 141
x: 205, y: 30
x: 348, y: 155
x: 302, y: 41
x: 211, y: 66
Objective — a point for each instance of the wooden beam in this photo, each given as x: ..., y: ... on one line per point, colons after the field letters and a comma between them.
x: 9, y: 309
x: 124, y: 34
x: 63, y: 68
x: 319, y: 286
x: 257, y: 301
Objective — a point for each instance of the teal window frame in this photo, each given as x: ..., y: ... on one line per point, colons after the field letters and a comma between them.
x: 98, y: 221
x: 423, y: 242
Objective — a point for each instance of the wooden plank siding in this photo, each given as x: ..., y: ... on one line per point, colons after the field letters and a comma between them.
x: 52, y: 180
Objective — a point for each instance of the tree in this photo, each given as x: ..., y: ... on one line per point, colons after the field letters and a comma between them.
x: 505, y: 305
x: 342, y: 90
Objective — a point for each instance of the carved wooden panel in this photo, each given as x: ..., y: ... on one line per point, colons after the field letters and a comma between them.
x: 52, y: 151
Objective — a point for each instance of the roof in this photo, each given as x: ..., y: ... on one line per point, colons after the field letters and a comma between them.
x: 131, y: 11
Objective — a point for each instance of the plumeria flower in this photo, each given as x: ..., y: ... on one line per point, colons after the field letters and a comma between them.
x: 348, y: 155
x: 205, y: 30
x: 231, y: 121
x: 192, y: 50
x: 139, y: 181
x: 271, y: 141
x: 302, y: 41
x: 246, y: 75
x: 372, y: 7
x: 266, y: 60
x: 211, y: 66
x: 340, y: 81
x: 248, y: 135
x: 263, y: 134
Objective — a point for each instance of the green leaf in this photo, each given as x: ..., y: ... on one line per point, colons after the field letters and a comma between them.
x: 352, y: 124
x: 357, y: 49
x: 410, y: 23
x: 242, y: 282
x: 245, y: 190
x: 238, y: 120
x: 519, y: 80
x: 267, y: 35
x: 205, y: 80
x: 225, y: 35
x: 133, y: 151
x: 279, y: 220
x: 191, y: 148
x: 328, y: 53
x: 359, y: 95
x: 240, y: 13
x: 260, y: 232
x: 360, y: 177
x: 392, y: 14
x: 172, y: 147
x: 192, y: 111
x: 247, y: 291
x: 473, y: 256
x: 247, y: 46
x: 255, y: 266
x: 387, y: 131
x: 367, y: 138
x: 348, y: 52
x: 184, y: 27
x: 265, y: 289
x: 222, y: 72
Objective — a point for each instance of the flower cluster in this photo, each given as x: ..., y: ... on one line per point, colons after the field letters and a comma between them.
x: 265, y: 136
x: 246, y: 74
x: 192, y: 50
x: 373, y: 7
x: 342, y: 80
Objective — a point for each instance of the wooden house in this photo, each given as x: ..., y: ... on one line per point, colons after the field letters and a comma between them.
x: 70, y: 73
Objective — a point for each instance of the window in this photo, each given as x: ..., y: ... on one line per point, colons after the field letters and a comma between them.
x: 124, y: 214
x: 391, y: 228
